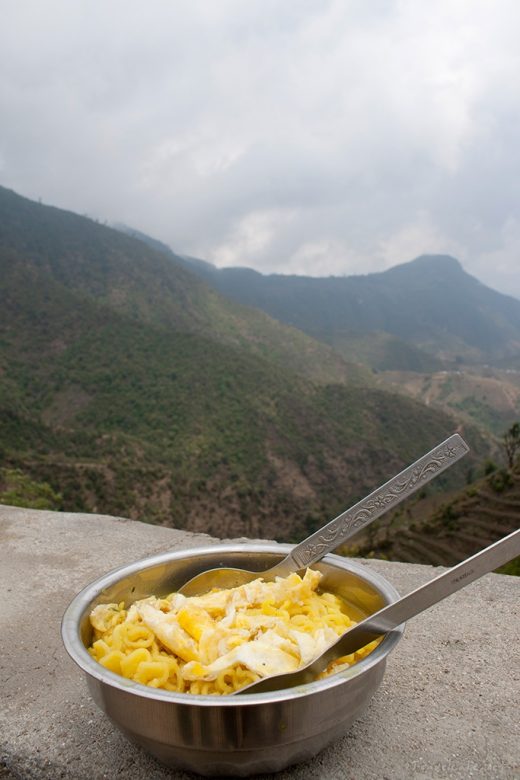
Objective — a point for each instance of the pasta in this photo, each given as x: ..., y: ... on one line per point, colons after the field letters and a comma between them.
x: 218, y: 643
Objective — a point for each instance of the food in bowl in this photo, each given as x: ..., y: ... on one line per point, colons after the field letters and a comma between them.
x: 219, y: 642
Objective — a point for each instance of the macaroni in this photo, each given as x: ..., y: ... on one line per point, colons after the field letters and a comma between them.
x: 224, y: 640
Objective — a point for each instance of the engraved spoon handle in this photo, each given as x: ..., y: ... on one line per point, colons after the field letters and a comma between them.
x: 377, y: 503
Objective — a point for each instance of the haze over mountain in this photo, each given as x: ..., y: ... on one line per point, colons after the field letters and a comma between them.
x: 305, y: 137
x: 430, y: 303
x: 422, y: 315
x: 131, y: 387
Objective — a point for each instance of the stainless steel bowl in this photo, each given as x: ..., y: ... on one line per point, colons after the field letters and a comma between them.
x: 230, y: 735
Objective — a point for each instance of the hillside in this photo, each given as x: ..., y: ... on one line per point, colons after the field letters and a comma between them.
x: 430, y: 304
x: 480, y: 394
x: 485, y: 396
x: 444, y: 530
x: 127, y: 386
x: 42, y: 244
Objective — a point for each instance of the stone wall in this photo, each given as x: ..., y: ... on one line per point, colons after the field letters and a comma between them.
x: 447, y: 707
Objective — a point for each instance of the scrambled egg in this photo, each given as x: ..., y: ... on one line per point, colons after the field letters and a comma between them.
x: 218, y: 642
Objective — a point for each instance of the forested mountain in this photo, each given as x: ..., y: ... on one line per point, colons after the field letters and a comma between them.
x: 128, y: 386
x: 108, y: 268
x: 411, y: 317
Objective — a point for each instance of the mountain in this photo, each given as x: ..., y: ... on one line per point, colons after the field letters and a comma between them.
x: 140, y: 283
x: 432, y: 308
x: 128, y: 386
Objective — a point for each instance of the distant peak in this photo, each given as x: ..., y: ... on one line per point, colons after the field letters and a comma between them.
x: 430, y: 264
x: 436, y: 261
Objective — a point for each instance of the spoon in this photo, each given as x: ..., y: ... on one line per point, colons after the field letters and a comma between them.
x: 344, y: 525
x: 393, y: 615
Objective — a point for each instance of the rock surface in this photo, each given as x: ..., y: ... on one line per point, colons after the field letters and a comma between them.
x: 447, y: 707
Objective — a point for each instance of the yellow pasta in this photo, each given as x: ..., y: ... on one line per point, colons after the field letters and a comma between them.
x: 218, y: 643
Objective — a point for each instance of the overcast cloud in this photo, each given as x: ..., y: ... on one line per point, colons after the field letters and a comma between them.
x: 294, y: 136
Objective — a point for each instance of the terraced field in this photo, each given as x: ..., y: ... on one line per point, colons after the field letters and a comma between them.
x: 445, y: 534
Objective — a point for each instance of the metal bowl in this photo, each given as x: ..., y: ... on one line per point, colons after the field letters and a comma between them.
x: 230, y: 735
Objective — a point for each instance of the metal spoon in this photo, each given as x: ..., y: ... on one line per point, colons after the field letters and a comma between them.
x: 393, y: 615
x: 344, y: 525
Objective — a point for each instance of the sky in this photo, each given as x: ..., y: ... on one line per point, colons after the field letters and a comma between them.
x: 316, y: 137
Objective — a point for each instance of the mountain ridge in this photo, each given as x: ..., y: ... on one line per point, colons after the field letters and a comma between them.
x: 430, y: 303
x: 447, y: 372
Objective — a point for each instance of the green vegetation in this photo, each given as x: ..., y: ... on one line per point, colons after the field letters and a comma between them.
x: 480, y: 395
x: 500, y: 480
x: 18, y: 489
x: 512, y: 444
x: 129, y: 387
x: 511, y: 568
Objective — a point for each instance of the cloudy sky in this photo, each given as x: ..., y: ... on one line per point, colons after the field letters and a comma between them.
x: 294, y: 136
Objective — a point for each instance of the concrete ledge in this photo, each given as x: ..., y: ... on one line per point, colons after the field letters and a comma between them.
x: 447, y: 708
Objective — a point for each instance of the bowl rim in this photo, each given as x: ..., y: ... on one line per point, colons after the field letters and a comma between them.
x: 78, y: 652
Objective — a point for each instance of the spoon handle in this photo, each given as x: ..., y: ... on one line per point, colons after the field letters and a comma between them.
x: 377, y: 503
x: 427, y: 595
x: 393, y: 615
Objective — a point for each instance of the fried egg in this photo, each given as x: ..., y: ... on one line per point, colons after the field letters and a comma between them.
x: 223, y: 639
x: 228, y: 627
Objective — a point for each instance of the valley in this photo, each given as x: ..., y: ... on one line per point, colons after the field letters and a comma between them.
x: 131, y: 386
